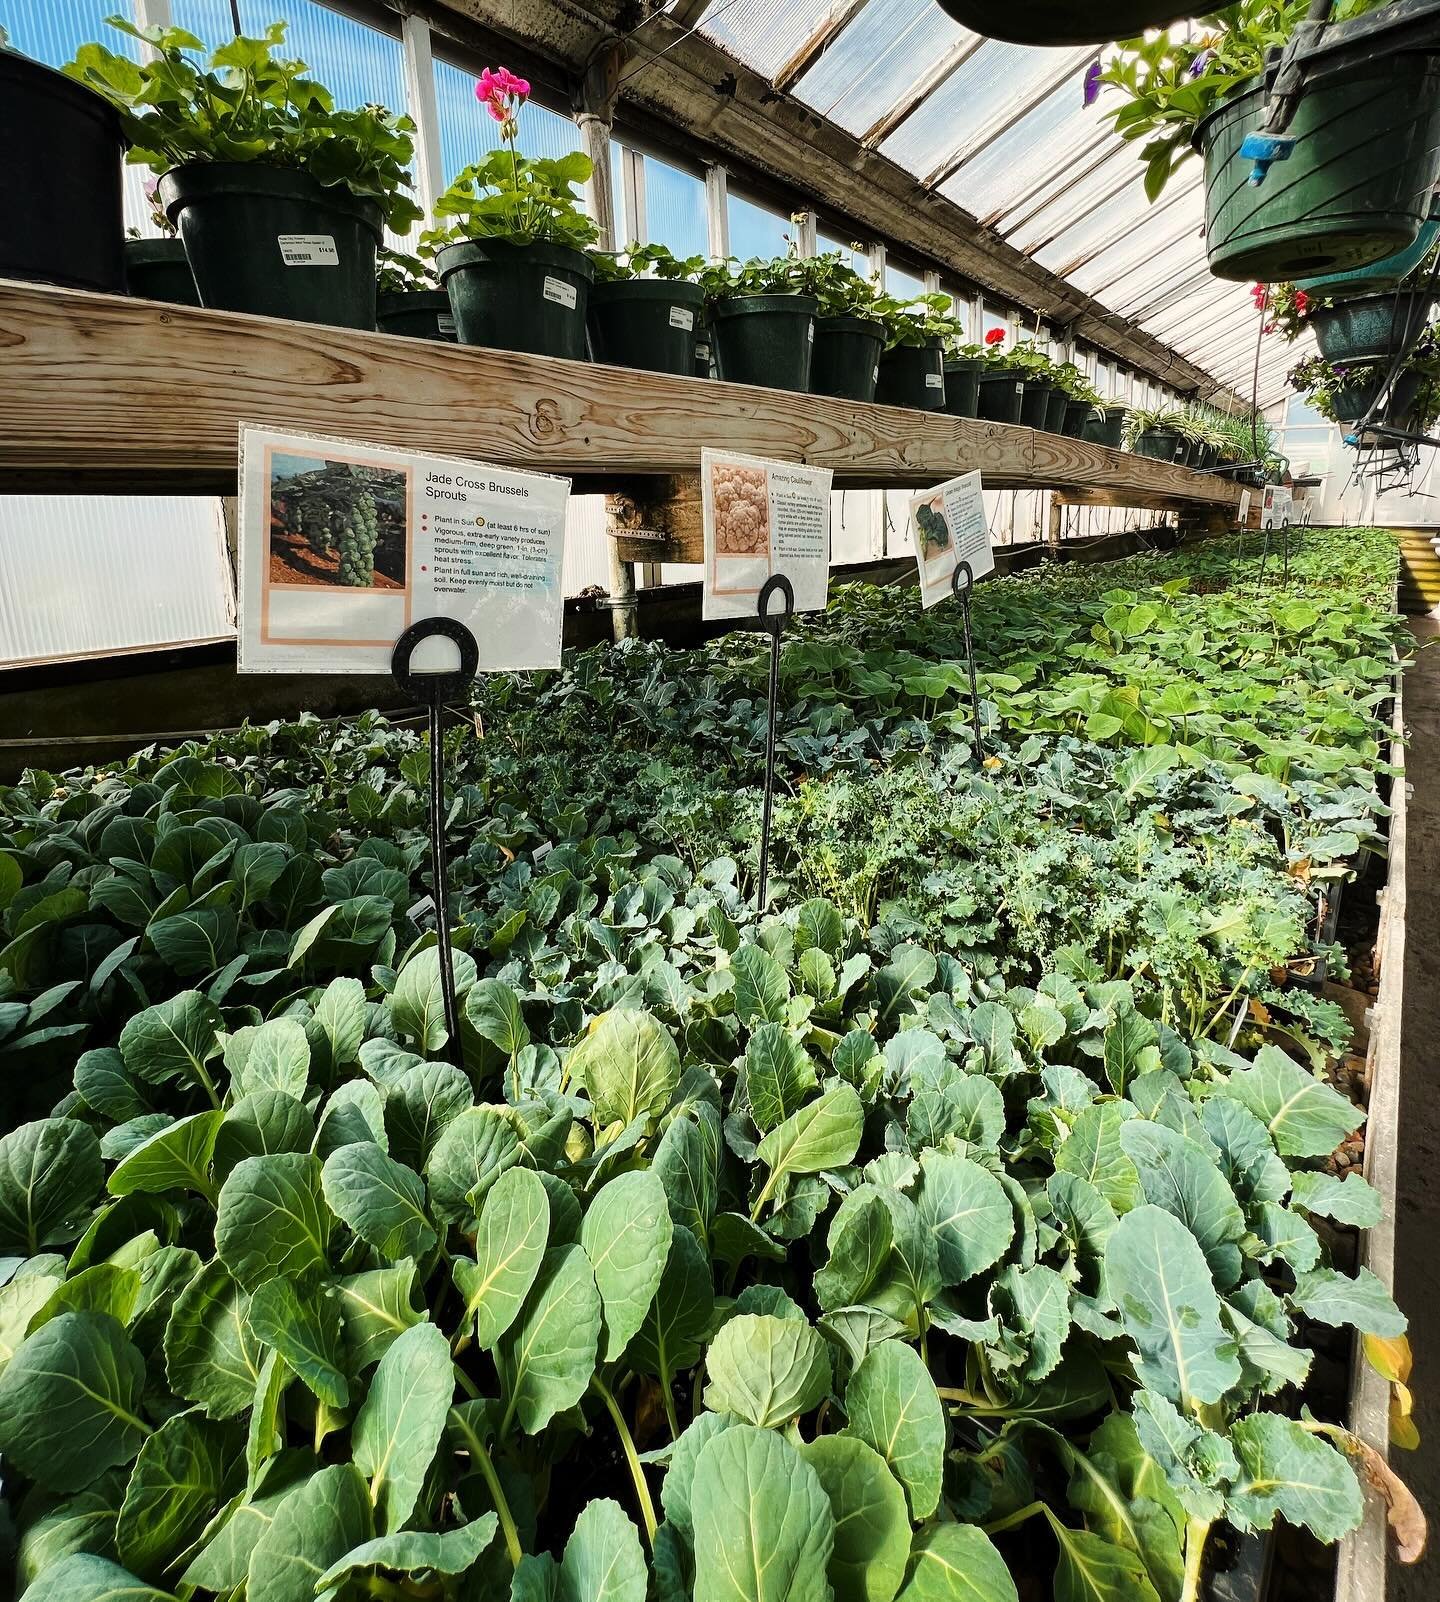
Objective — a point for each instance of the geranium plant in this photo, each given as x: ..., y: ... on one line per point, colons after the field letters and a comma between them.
x: 920, y: 321
x: 246, y: 103
x: 399, y: 273
x: 525, y: 200
x: 646, y: 261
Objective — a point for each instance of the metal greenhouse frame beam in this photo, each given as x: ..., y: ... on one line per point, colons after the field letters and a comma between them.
x: 841, y: 14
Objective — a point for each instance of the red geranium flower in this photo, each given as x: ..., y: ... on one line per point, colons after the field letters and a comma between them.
x: 996, y: 336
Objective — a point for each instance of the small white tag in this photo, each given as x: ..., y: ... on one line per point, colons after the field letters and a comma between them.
x: 308, y: 250
x: 682, y: 317
x: 703, y: 352
x: 934, y: 381
x: 810, y: 333
x: 876, y: 378
x: 445, y: 322
x: 560, y: 292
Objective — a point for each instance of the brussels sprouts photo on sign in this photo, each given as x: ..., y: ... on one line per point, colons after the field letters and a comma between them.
x: 337, y: 522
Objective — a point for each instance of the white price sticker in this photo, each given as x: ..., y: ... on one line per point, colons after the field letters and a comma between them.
x: 682, y: 317
x: 445, y: 322
x: 560, y: 292
x: 934, y: 381
x: 308, y: 250
x: 810, y: 333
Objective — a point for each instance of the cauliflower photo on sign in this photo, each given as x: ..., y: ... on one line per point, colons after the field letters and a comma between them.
x: 742, y: 510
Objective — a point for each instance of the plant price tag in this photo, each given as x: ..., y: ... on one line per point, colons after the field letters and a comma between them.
x: 308, y: 250
x: 343, y: 545
x: 763, y: 518
x: 949, y: 527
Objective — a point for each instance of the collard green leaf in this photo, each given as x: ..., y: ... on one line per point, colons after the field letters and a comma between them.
x: 84, y: 1522
x: 687, y: 1164
x: 1198, y: 1463
x: 762, y: 990
x: 679, y: 1317
x: 475, y: 1148
x: 376, y: 1307
x: 764, y: 1531
x: 678, y: 1489
x: 417, y: 1003
x: 1092, y: 1569
x: 957, y: 1563
x: 968, y: 1213
x: 859, y: 1242
x: 1304, y: 1116
x: 398, y: 1428
x: 185, y: 1470
x: 315, y: 1525
x: 1094, y: 1153
x: 420, y: 1105
x: 303, y: 1326
x: 277, y: 1057
x: 509, y: 1246
x: 50, y: 1172
x: 260, y: 1126
x: 872, y: 1521
x: 824, y: 1133
x: 1287, y: 1470
x: 1332, y: 1298
x: 1247, y: 1154
x: 891, y: 1404
x: 626, y: 1235
x: 628, y: 1066
x: 211, y: 1354
x: 1178, y: 1175
x: 546, y: 1358
x: 1033, y: 1305
x: 1169, y: 1307
x: 272, y: 1219
x: 381, y: 1200
x: 106, y: 1087
x: 766, y: 1370
x: 1125, y: 1497
x: 176, y: 1158
x: 415, y: 1552
x: 83, y: 1577
x: 70, y: 1402
x: 603, y: 1561
x: 173, y: 1041
x: 1348, y: 1201
x: 493, y: 1010
x: 778, y: 1075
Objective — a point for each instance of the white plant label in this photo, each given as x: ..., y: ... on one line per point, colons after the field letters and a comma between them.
x: 445, y: 322
x: 560, y: 292
x: 762, y: 518
x: 934, y: 381
x: 344, y: 545
x: 682, y: 317
x: 308, y: 250
x: 1277, y: 507
x: 948, y: 526
x: 1244, y: 516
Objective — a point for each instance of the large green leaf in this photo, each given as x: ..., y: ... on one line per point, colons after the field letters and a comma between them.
x: 276, y: 1057
x: 872, y: 1522
x: 398, y: 1428
x: 1332, y: 1298
x: 509, y: 1246
x: 860, y: 1236
x: 957, y: 1563
x: 766, y: 1370
x: 376, y: 1307
x: 672, y: 1335
x: 1178, y: 1175
x: 1169, y: 1307
x: 50, y: 1173
x: 381, y: 1200
x: 304, y: 1327
x: 825, y: 1133
x: 211, y: 1354
x: 415, y: 1552
x: 272, y: 1219
x: 475, y: 1148
x: 417, y: 1003
x: 687, y: 1164
x: 1287, y: 1470
x: 1092, y: 1569
x: 764, y: 1531
x: 70, y: 1402
x: 628, y: 1066
x: 1093, y: 1152
x: 1305, y: 1117
x: 185, y: 1470
x: 968, y: 1213
x: 176, y: 1158
x: 173, y: 1040
x: 83, y: 1577
x: 892, y: 1405
x: 1122, y: 1492
x: 83, y: 1522
x: 547, y: 1356
x: 315, y: 1525
x: 626, y: 1235
x: 762, y: 991
x: 778, y: 1074
x: 1348, y: 1201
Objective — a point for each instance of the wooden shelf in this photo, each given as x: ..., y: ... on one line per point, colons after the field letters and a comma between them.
x: 103, y: 393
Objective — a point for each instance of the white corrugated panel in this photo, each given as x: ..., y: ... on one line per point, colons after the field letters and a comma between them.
x: 82, y: 576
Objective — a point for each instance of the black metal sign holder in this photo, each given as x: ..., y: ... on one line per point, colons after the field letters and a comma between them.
x: 774, y: 622
x: 434, y: 689
x: 962, y: 581
x: 1285, y: 530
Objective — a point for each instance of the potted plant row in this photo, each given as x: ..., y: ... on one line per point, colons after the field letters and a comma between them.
x: 1354, y: 188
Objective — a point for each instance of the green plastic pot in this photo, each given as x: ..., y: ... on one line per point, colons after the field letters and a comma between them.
x: 1371, y: 328
x: 1076, y: 412
x: 962, y: 386
x: 767, y: 340
x: 1406, y: 399
x: 1106, y: 426
x: 846, y: 363
x: 507, y: 296
x: 1055, y: 411
x: 416, y: 314
x: 1380, y: 277
x: 1354, y: 397
x: 157, y: 269
x: 62, y: 204
x: 914, y: 376
x: 274, y: 242
x: 1001, y: 397
x: 646, y: 323
x: 1159, y: 444
x: 1035, y: 408
x: 1356, y: 187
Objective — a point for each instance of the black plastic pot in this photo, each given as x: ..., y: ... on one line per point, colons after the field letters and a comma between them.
x: 1035, y: 409
x: 765, y: 339
x: 1001, y: 396
x: 914, y: 376
x: 529, y: 298
x: 1159, y: 444
x: 646, y: 323
x: 962, y: 386
x: 274, y: 242
x: 1055, y: 412
x: 704, y: 352
x: 416, y: 314
x: 62, y: 202
x: 846, y: 363
x: 1106, y: 426
x: 1076, y: 411
x: 157, y: 269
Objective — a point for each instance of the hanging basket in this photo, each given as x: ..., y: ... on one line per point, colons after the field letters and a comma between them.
x: 1062, y: 22
x: 1381, y: 277
x: 1371, y: 328
x: 1355, y: 189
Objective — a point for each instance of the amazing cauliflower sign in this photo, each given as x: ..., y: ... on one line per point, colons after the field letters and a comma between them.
x: 762, y: 519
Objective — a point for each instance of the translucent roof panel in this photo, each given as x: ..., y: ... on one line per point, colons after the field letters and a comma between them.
x: 878, y: 59
x: 764, y: 34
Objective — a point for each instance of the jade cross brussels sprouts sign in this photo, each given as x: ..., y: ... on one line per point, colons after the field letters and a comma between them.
x: 344, y: 545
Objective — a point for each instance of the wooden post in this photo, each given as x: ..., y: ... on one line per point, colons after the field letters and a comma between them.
x: 1057, y: 514
x: 658, y: 520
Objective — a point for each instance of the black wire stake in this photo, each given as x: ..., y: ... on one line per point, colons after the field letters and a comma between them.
x: 1285, y: 530
x: 434, y: 689
x: 962, y: 581
x: 1264, y: 555
x: 774, y: 622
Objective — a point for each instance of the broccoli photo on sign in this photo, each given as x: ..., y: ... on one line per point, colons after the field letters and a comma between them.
x: 934, y: 531
x: 336, y: 523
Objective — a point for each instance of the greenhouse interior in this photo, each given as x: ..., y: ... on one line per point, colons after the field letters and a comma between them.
x: 721, y: 709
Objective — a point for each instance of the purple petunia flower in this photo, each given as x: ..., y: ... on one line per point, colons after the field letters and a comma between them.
x: 1199, y: 64
x: 1092, y: 83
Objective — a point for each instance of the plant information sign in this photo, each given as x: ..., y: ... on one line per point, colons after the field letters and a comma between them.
x: 344, y: 545
x: 761, y: 519
x: 949, y: 527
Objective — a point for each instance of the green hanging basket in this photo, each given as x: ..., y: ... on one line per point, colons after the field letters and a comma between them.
x: 1062, y: 22
x: 1371, y: 328
x: 1355, y: 189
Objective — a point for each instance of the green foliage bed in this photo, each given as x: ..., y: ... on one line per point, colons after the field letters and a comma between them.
x: 979, y: 1187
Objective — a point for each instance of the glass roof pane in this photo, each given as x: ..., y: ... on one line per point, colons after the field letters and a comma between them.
x: 994, y: 77
x: 764, y: 34
x: 1175, y: 221
x: 1072, y: 199
x: 874, y: 61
